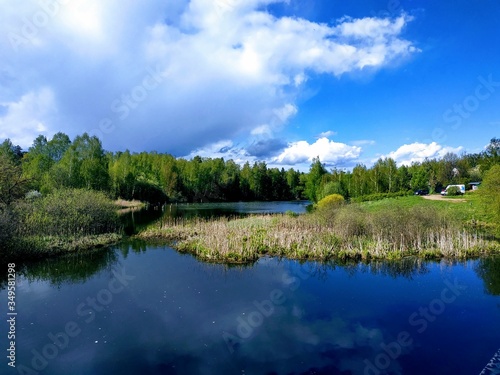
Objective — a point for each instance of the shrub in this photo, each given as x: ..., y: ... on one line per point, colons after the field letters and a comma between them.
x: 68, y: 213
x: 453, y: 191
x: 351, y: 221
x: 331, y: 201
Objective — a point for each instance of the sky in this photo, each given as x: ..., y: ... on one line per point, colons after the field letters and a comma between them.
x: 255, y: 80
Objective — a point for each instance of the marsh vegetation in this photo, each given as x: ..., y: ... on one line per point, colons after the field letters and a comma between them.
x: 58, y: 197
x: 390, y: 229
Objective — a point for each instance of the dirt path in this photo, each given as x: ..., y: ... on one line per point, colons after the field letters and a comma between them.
x: 439, y: 197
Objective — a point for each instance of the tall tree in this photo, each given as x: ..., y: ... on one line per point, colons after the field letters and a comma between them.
x: 12, y: 183
x: 316, y: 173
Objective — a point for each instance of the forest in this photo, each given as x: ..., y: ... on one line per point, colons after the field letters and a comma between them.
x: 58, y: 195
x: 49, y: 165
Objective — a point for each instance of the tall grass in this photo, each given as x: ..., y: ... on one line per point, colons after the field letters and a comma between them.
x: 66, y: 220
x: 68, y: 212
x: 348, y: 232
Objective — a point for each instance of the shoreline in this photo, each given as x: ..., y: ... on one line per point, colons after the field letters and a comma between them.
x: 41, y: 247
x: 388, y: 229
x: 240, y: 241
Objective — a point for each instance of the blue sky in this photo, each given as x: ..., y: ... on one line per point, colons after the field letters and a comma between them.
x: 278, y: 81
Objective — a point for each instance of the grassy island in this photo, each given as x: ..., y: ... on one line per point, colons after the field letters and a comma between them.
x: 388, y: 229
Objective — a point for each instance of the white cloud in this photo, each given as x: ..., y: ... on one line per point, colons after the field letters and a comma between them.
x: 264, y: 130
x: 27, y: 116
x: 329, y: 152
x: 231, y: 67
x: 222, y: 149
x: 418, y: 152
x: 327, y: 134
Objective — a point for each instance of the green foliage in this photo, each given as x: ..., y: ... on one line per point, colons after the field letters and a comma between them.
x: 314, y: 178
x: 489, y: 192
x: 60, y: 163
x: 331, y: 201
x: 8, y: 226
x: 67, y: 212
x: 332, y: 187
x: 12, y: 184
x: 380, y: 196
x: 453, y: 191
x: 147, y: 192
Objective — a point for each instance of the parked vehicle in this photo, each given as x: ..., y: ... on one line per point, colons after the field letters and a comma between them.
x: 422, y: 192
x: 461, y: 188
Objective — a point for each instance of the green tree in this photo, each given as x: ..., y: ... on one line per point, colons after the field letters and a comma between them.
x: 314, y: 178
x: 83, y: 165
x: 492, y: 155
x: 14, y: 153
x: 359, y: 181
x: 12, y: 183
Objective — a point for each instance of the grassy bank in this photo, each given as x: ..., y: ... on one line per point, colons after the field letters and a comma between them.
x: 389, y: 229
x: 43, y: 246
x: 64, y: 221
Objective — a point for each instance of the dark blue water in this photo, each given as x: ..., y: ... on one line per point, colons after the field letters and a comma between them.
x: 141, y: 309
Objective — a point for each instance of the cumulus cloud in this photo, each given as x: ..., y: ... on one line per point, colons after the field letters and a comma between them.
x: 327, y: 134
x: 226, y: 68
x: 329, y: 152
x: 28, y: 114
x: 418, y: 152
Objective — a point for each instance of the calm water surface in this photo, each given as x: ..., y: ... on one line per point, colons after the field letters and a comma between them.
x: 142, y: 309
x: 136, y: 220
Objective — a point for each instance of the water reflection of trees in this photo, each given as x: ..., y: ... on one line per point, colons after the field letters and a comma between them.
x: 70, y: 268
x: 407, y: 267
x: 488, y: 269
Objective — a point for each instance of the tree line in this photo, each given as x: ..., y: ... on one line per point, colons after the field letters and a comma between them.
x: 57, y: 163
x: 385, y: 178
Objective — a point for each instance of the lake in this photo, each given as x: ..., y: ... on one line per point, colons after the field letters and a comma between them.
x: 136, y: 220
x: 143, y: 309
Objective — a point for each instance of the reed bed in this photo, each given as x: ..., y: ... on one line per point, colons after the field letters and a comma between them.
x: 348, y: 232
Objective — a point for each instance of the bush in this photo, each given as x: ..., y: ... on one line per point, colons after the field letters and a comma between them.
x: 351, y: 221
x: 68, y: 213
x: 331, y: 201
x: 453, y: 191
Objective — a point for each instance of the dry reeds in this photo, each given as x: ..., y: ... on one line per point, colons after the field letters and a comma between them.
x: 349, y: 233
